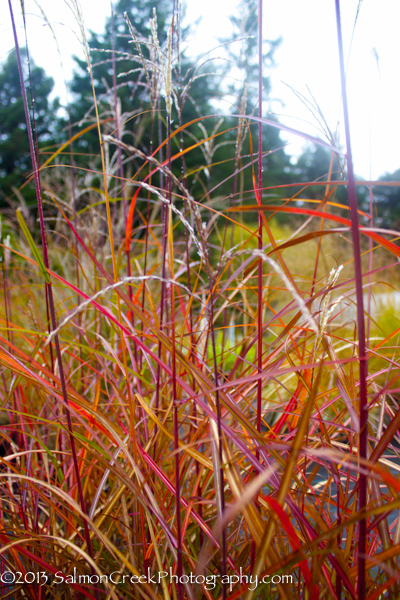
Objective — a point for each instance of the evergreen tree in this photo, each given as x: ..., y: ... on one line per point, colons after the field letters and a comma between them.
x: 244, y: 51
x: 388, y: 202
x: 15, y: 161
x: 313, y: 165
x: 131, y: 82
x: 133, y: 87
x: 244, y: 69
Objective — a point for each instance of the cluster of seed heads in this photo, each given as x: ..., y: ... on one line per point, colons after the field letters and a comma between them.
x: 165, y: 62
x: 201, y: 239
x: 326, y: 311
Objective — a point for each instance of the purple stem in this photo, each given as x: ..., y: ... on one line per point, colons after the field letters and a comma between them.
x: 50, y: 292
x: 260, y: 244
x: 370, y: 247
x: 260, y: 224
x: 220, y: 455
x: 174, y: 388
x: 36, y: 148
x: 163, y: 220
x: 362, y: 353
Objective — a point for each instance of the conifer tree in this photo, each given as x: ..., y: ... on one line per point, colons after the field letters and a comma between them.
x: 15, y: 162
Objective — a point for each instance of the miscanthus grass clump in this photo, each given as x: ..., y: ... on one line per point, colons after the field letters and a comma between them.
x: 197, y: 401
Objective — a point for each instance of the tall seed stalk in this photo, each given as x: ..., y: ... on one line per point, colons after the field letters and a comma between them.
x: 50, y: 292
x: 362, y: 351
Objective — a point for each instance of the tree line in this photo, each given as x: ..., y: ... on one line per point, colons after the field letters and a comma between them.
x: 128, y: 93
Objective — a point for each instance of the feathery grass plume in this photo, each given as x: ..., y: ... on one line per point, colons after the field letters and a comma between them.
x: 164, y: 61
x: 325, y: 310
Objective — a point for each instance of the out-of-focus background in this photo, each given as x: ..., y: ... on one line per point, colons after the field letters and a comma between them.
x: 305, y: 61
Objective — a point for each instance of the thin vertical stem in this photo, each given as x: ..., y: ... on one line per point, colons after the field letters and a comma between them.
x: 260, y: 224
x: 370, y: 248
x: 168, y: 214
x: 36, y: 149
x: 187, y: 253
x: 116, y: 115
x: 50, y: 292
x: 260, y: 245
x: 5, y: 291
x: 362, y: 353
x: 220, y: 453
x: 163, y: 213
x: 338, y: 539
x: 146, y: 242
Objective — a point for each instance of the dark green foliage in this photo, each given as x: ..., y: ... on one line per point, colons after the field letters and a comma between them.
x: 244, y: 51
x: 313, y: 165
x: 132, y: 84
x: 132, y: 91
x: 388, y: 202
x: 243, y: 66
x: 15, y: 162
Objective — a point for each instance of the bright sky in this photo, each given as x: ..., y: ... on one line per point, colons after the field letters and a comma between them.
x: 306, y: 57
